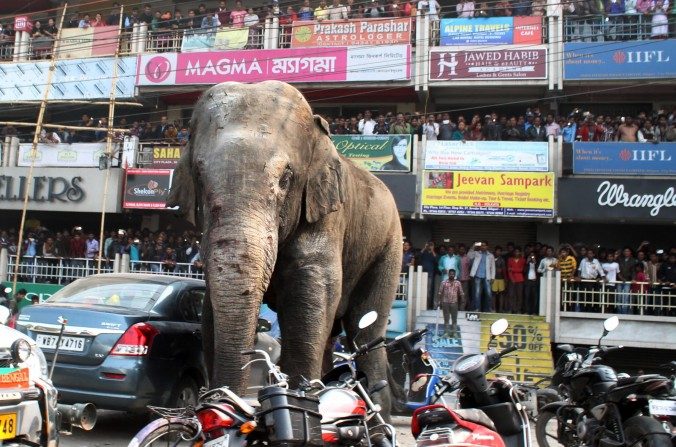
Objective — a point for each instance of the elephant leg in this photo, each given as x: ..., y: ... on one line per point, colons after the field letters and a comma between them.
x: 208, y: 335
x: 375, y: 291
x: 306, y: 313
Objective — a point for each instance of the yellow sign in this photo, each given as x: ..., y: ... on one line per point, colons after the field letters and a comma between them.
x: 530, y: 334
x: 479, y: 193
x: 231, y: 38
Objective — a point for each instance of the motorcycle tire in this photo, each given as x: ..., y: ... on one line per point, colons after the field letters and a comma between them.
x: 380, y: 440
x: 162, y: 432
x: 643, y: 431
x: 546, y: 396
x: 547, y: 434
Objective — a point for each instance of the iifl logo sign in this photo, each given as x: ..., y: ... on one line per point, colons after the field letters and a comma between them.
x: 644, y: 155
x: 641, y: 57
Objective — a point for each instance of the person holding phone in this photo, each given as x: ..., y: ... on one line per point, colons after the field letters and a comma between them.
x: 482, y: 273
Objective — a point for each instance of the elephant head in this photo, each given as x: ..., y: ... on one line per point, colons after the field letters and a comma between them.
x: 258, y: 165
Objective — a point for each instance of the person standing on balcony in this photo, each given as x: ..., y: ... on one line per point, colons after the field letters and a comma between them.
x: 465, y: 9
x: 627, y: 265
x: 400, y: 126
x: 85, y: 22
x: 431, y: 128
x: 374, y: 10
x: 237, y: 15
x: 367, y: 124
x: 450, y: 299
x: 382, y: 127
x: 659, y: 22
x: 615, y: 10
x: 92, y: 247
x: 305, y: 11
x: 210, y: 21
x: 483, y: 274
x: 223, y: 13
x: 536, y: 132
x: 428, y: 260
x: 147, y: 15
x: 98, y: 21
x: 337, y: 11
x: 321, y: 11
x: 627, y: 131
x: 590, y: 272
x: 516, y: 265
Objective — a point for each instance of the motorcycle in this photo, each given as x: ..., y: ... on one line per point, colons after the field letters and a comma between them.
x: 601, y: 409
x: 336, y: 410
x: 490, y: 414
x: 29, y: 412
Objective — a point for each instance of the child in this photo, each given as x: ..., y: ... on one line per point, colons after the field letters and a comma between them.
x: 450, y: 297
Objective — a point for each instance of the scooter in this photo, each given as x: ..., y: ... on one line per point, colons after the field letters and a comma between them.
x: 490, y: 414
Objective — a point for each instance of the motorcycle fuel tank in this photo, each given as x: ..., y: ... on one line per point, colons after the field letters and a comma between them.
x: 595, y: 379
x: 335, y: 404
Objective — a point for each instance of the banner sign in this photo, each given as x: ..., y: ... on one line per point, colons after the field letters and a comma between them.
x: 487, y: 156
x: 72, y: 79
x: 605, y: 200
x: 376, y: 152
x: 478, y: 64
x: 341, y: 33
x: 166, y: 157
x: 23, y: 23
x: 491, y: 30
x: 624, y: 158
x: 39, y: 290
x: 652, y: 59
x: 220, y: 39
x: 88, y: 42
x: 78, y: 155
x: 444, y: 350
x: 335, y: 64
x: 146, y: 188
x: 476, y: 193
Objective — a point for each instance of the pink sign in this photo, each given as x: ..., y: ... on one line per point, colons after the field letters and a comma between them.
x: 297, y: 65
x: 515, y: 63
x: 22, y: 23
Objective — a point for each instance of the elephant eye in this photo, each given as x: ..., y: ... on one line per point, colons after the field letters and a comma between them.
x: 285, y: 179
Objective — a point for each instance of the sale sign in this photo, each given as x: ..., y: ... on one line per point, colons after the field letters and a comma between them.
x: 477, y: 193
x: 336, y: 33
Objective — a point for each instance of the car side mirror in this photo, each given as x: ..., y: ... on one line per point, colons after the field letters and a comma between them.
x: 263, y: 325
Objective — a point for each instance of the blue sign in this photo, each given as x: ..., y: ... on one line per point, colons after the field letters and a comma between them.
x: 620, y: 60
x: 624, y: 158
x: 477, y: 31
x: 444, y: 349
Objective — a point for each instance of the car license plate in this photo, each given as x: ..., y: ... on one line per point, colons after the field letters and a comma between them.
x: 662, y: 407
x: 223, y: 441
x: 8, y: 426
x: 76, y: 344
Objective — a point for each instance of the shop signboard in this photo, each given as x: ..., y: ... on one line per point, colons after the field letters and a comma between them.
x: 217, y: 39
x: 146, y: 188
x: 94, y: 41
x: 477, y: 193
x: 606, y: 200
x: 23, y: 23
x: 165, y: 157
x: 487, y: 156
x: 390, y: 153
x: 652, y: 59
x: 294, y: 65
x: 444, y: 350
x: 491, y: 30
x: 397, y: 319
x: 39, y: 290
x: 341, y: 33
x: 78, y: 155
x: 73, y: 79
x: 595, y: 158
x: 477, y: 63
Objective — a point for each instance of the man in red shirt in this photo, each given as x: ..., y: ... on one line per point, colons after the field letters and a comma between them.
x: 450, y: 298
x: 515, y: 268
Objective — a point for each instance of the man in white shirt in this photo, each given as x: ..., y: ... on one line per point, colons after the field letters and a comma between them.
x: 337, y: 11
x: 590, y: 271
x: 366, y: 124
x: 431, y: 129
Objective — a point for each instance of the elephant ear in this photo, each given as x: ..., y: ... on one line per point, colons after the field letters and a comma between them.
x: 325, y: 188
x: 182, y: 193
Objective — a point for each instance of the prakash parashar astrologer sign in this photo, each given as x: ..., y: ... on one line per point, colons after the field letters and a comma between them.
x: 376, y: 152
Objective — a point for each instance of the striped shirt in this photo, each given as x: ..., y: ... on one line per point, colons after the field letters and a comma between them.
x: 567, y: 267
x: 450, y: 291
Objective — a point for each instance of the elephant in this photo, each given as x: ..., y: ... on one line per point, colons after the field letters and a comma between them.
x: 288, y: 221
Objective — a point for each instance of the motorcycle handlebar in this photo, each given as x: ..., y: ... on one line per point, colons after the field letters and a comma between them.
x: 372, y: 344
x: 394, y: 344
x: 506, y: 351
x: 611, y: 349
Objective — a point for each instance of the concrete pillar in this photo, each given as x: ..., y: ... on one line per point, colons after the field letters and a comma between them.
x: 13, y: 151
x: 124, y: 264
x: 4, y: 264
x: 141, y: 40
x: 116, y: 263
x: 25, y: 45
x: 17, y: 46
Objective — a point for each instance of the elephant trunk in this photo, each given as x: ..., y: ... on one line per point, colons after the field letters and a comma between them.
x: 239, y: 262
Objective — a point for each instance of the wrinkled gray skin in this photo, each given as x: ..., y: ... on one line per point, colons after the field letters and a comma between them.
x: 286, y: 217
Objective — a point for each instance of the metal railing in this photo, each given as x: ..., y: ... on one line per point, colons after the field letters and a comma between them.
x: 6, y: 50
x: 610, y: 27
x: 171, y: 41
x: 181, y: 269
x: 38, y: 269
x: 630, y: 298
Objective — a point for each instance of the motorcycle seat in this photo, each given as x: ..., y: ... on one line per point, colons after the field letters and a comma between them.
x: 475, y: 416
x: 636, y: 379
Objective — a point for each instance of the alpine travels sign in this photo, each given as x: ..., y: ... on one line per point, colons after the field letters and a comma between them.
x: 601, y: 199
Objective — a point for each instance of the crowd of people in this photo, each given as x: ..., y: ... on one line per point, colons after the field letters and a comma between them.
x: 506, y: 278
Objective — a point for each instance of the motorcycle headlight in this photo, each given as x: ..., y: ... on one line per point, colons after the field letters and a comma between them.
x: 20, y: 350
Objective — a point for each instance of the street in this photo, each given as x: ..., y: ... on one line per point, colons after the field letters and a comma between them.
x: 115, y: 429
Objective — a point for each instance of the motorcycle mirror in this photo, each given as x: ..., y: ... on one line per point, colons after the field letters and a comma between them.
x: 419, y: 382
x: 263, y: 325
x: 499, y: 327
x: 368, y: 319
x: 611, y: 323
x: 4, y: 314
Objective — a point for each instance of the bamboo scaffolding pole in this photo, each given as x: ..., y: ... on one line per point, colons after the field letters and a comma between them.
x: 36, y: 139
x: 59, y: 126
x: 109, y: 140
x: 79, y: 101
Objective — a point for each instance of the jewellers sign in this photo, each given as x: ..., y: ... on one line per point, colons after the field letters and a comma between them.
x: 630, y: 199
x: 474, y: 63
x: 146, y: 188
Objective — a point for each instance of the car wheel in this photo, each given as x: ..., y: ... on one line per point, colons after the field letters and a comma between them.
x: 185, y: 394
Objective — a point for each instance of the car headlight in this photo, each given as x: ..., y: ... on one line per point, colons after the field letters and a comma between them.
x: 20, y: 350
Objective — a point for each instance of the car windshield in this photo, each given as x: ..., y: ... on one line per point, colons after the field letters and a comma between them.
x: 121, y: 292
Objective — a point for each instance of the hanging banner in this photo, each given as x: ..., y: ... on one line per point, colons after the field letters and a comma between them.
x: 88, y: 42
x: 624, y: 158
x: 491, y: 30
x: 475, y: 193
x: 77, y: 155
x: 487, y: 156
x: 335, y: 64
x: 510, y: 63
x: 376, y: 152
x: 340, y: 33
x: 146, y: 188
x: 166, y: 157
x: 220, y: 39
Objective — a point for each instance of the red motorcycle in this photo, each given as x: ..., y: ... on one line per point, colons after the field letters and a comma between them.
x: 490, y: 414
